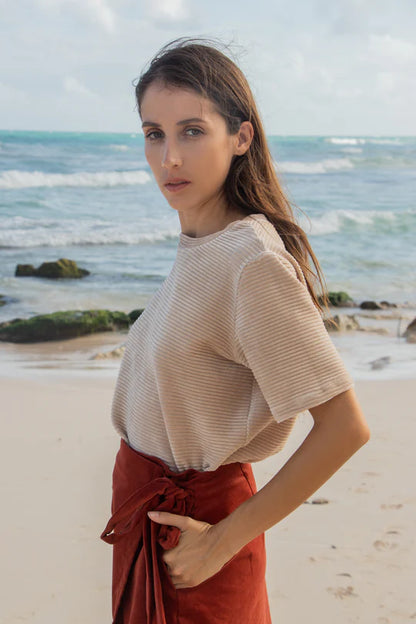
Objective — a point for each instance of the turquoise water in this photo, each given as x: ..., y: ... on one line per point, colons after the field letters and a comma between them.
x: 91, y: 197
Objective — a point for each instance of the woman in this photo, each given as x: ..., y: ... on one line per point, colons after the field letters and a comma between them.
x: 226, y: 354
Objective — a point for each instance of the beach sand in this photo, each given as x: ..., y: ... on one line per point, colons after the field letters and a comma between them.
x: 351, y: 559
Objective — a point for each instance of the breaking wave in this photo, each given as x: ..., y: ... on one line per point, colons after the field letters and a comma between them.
x: 25, y: 232
x: 320, y: 166
x: 15, y: 179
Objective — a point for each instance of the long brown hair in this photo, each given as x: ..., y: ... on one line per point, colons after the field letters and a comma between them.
x: 252, y: 184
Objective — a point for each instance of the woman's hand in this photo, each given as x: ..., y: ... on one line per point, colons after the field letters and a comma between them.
x: 198, y: 554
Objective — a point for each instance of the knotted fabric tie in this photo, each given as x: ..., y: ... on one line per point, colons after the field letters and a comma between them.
x: 142, y: 590
x: 163, y: 493
x: 130, y: 525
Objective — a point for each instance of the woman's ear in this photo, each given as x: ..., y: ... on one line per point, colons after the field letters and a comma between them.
x: 244, y: 138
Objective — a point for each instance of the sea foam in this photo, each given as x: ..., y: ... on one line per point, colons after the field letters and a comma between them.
x: 20, y: 232
x: 15, y: 179
x: 362, y: 141
x: 359, y: 220
x: 345, y: 141
x: 320, y: 166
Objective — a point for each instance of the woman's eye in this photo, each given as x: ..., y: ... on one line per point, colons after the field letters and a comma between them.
x: 149, y: 135
x: 194, y: 130
x: 153, y: 135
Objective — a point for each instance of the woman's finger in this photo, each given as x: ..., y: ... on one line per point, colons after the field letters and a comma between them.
x: 165, y: 517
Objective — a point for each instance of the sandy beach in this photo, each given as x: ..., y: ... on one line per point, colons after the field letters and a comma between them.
x: 351, y: 558
x: 308, y: 117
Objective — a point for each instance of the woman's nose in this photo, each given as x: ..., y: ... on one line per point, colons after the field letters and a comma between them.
x: 171, y: 156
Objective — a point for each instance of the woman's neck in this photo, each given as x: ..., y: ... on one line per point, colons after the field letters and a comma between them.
x: 202, y: 223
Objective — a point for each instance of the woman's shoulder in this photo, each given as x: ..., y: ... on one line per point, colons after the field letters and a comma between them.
x: 254, y: 239
x: 250, y: 241
x: 257, y: 248
x: 251, y: 235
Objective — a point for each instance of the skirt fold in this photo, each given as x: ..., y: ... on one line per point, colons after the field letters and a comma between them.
x: 142, y: 591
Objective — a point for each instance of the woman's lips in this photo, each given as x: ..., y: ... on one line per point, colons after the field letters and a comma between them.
x: 177, y: 186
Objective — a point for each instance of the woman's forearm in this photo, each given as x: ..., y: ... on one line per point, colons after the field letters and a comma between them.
x: 325, y: 449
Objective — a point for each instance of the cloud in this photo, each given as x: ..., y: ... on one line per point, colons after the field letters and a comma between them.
x: 296, y: 63
x: 315, y: 66
x: 386, y: 82
x: 95, y: 11
x: 171, y: 10
x: 172, y: 13
x: 72, y: 85
x: 346, y: 92
x: 391, y: 49
x: 347, y: 17
x: 10, y: 95
x: 99, y: 10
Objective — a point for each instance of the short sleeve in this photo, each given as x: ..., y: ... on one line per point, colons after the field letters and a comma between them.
x: 280, y: 335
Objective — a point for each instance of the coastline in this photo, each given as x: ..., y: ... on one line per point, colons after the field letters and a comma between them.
x: 353, y: 557
x: 377, y: 350
x: 71, y: 357
x: 90, y: 197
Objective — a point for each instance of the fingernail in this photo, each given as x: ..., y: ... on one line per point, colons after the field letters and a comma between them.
x: 153, y: 514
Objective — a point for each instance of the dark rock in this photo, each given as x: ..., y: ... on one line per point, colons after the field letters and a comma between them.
x: 370, y: 305
x: 25, y: 270
x: 341, y: 322
x: 134, y: 314
x: 386, y: 304
x: 339, y: 299
x: 62, y: 325
x: 410, y: 332
x: 381, y: 362
x: 62, y: 268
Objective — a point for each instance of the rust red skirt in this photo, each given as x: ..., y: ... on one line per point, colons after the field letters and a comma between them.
x: 142, y: 591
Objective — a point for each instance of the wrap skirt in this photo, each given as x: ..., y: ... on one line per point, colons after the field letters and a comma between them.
x: 142, y: 591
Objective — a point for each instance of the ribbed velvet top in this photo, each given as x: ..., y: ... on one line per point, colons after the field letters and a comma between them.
x: 226, y: 353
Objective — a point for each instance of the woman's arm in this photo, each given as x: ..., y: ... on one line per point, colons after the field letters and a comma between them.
x: 339, y: 430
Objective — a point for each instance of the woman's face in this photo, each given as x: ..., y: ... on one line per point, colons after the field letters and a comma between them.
x: 185, y: 138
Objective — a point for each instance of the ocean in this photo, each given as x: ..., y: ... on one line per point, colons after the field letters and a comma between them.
x: 91, y: 197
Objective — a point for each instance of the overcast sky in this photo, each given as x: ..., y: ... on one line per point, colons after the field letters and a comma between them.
x: 318, y: 67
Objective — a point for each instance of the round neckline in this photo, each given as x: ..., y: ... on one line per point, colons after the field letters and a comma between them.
x: 192, y: 241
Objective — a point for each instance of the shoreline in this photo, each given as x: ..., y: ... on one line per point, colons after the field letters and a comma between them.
x: 354, y: 556
x: 376, y: 351
x: 68, y: 357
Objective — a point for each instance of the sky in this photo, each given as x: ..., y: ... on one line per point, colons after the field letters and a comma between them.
x: 316, y: 67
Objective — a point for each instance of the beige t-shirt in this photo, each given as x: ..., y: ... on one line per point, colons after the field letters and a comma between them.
x: 226, y: 353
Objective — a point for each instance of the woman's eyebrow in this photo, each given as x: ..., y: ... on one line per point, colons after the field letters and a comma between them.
x: 179, y: 123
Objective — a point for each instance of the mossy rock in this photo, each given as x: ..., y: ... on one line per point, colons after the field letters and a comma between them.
x: 62, y: 268
x: 410, y: 332
x: 370, y: 305
x: 339, y: 299
x: 62, y: 325
x: 134, y: 314
x: 3, y: 300
x: 25, y: 270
